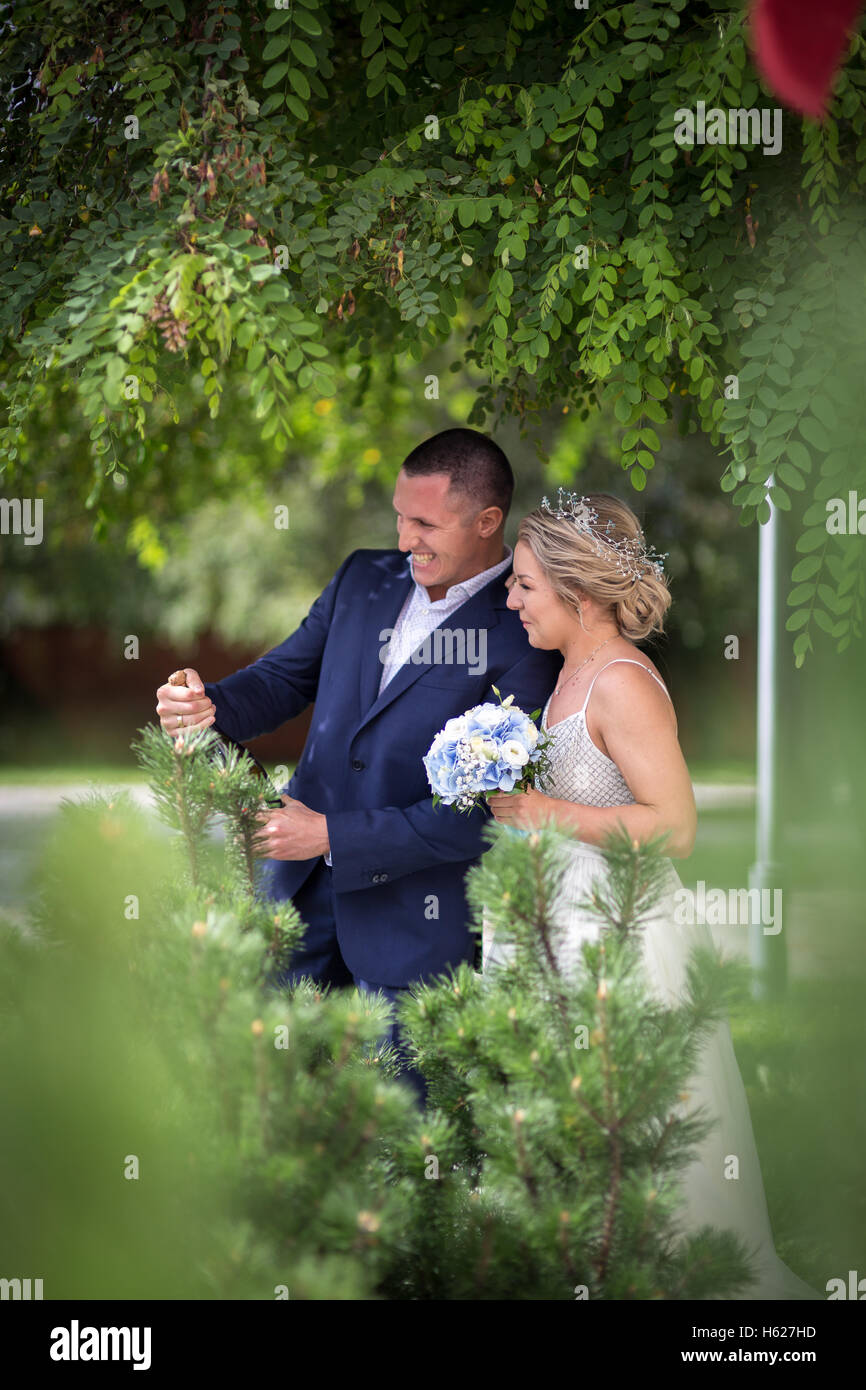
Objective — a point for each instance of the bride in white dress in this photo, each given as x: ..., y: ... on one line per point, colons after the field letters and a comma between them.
x: 585, y: 583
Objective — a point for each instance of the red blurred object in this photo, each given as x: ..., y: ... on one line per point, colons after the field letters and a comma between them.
x: 799, y: 46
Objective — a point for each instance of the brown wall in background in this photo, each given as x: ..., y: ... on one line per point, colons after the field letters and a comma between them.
x: 72, y: 688
x: 68, y: 693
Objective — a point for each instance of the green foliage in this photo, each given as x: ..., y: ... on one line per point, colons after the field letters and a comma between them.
x: 195, y: 776
x: 312, y: 189
x: 277, y: 1156
x: 220, y: 532
x: 561, y: 1097
x: 794, y: 433
x: 257, y: 1119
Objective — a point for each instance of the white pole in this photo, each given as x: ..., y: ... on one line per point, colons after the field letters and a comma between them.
x: 765, y: 872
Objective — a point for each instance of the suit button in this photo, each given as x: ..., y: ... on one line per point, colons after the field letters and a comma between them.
x: 357, y: 765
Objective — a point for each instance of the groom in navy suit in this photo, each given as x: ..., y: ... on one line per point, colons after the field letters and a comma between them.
x: 398, y: 642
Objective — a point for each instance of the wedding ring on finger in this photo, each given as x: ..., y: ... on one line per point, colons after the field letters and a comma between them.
x: 180, y: 721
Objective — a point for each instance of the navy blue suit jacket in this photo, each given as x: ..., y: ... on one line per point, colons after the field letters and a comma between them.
x: 398, y: 862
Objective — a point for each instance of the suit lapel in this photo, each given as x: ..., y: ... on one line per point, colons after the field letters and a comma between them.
x: 480, y: 611
x: 385, y: 601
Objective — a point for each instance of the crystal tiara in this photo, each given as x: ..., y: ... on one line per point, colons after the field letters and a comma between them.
x: 631, y: 555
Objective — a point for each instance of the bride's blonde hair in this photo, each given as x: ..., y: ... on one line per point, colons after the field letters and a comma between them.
x: 580, y: 562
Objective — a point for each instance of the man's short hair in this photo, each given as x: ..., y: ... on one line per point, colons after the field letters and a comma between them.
x: 476, y: 466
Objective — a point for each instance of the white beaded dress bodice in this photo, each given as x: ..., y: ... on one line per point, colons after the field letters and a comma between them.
x: 578, y: 770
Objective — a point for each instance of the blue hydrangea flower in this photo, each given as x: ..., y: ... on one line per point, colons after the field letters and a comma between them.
x: 489, y: 748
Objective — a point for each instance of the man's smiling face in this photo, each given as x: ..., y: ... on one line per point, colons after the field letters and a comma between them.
x: 444, y: 532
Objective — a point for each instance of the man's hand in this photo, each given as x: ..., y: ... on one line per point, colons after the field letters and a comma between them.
x: 184, y: 706
x: 296, y: 832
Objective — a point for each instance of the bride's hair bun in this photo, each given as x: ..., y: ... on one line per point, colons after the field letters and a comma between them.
x: 578, y: 562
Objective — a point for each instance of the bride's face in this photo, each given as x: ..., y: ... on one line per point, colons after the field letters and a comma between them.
x: 548, y: 622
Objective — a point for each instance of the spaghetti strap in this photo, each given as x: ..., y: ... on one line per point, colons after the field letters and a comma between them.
x: 631, y: 662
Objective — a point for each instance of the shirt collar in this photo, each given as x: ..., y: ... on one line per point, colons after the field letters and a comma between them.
x: 467, y: 587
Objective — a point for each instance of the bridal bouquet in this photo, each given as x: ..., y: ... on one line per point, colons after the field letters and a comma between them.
x: 490, y: 748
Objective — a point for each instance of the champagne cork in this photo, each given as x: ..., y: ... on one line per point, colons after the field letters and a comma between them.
x: 177, y: 678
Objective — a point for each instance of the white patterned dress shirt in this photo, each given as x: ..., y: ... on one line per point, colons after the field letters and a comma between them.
x: 420, y: 615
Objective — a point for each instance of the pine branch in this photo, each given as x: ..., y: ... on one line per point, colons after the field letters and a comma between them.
x: 615, y: 1145
x: 486, y: 1253
x: 542, y: 922
x: 189, y: 830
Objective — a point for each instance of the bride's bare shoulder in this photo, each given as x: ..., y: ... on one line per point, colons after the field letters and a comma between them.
x: 628, y: 679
